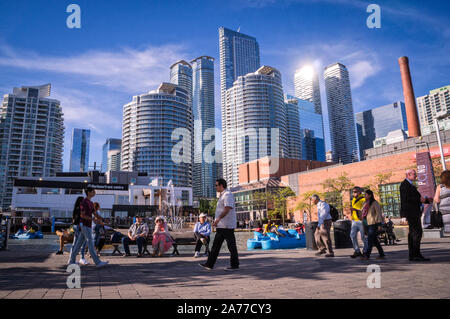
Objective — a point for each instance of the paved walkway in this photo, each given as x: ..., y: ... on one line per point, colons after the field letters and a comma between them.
x: 30, y: 273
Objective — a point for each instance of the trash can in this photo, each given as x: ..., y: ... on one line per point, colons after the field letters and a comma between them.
x: 342, y: 230
x: 310, y: 229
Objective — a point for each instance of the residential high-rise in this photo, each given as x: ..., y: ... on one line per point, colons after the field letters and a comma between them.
x: 204, y: 173
x: 79, y: 153
x: 305, y: 126
x: 306, y: 84
x: 181, y: 75
x: 113, y: 160
x: 149, y: 122
x: 378, y: 123
x: 31, y: 137
x: 254, y: 106
x: 340, y: 114
x: 429, y: 105
x: 239, y: 55
x: 110, y: 145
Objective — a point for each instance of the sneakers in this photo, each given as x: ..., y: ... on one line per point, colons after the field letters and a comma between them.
x: 356, y: 254
x: 196, y: 255
x: 102, y: 264
x: 83, y: 262
x: 59, y: 252
x: 231, y: 268
x: 205, y: 266
x: 329, y: 255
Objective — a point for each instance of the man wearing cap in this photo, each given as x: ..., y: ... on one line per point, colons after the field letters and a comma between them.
x: 202, y: 231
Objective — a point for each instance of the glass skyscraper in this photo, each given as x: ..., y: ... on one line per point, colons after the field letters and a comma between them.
x: 378, y: 122
x: 204, y: 174
x: 306, y: 127
x: 149, y: 122
x: 253, y: 106
x: 239, y: 55
x: 181, y: 75
x: 111, y: 144
x: 306, y: 83
x: 344, y: 143
x: 79, y: 153
x: 31, y: 137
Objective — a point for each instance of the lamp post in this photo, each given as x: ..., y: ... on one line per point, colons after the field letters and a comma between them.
x: 440, y: 116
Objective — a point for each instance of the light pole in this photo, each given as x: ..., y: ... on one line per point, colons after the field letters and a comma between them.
x: 440, y: 116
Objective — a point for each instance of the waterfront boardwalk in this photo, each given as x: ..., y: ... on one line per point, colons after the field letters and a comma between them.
x: 30, y: 272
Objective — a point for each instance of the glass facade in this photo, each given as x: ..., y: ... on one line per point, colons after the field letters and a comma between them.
x: 147, y: 145
x: 390, y: 199
x: 31, y: 137
x: 79, y: 153
x: 111, y: 144
x: 204, y: 174
x: 378, y: 122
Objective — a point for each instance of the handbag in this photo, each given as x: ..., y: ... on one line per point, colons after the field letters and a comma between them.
x: 436, y: 219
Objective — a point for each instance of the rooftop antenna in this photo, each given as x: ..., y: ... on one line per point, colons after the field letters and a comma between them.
x: 239, y: 29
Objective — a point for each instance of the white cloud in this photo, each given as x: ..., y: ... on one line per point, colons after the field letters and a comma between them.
x: 128, y: 69
x: 361, y: 71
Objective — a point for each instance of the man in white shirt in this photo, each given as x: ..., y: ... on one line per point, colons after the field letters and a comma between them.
x: 322, y: 234
x: 225, y: 223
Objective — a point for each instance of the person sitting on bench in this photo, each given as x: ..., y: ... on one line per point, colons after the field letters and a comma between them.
x: 65, y: 236
x: 137, y: 234
x: 202, y: 231
x: 162, y: 240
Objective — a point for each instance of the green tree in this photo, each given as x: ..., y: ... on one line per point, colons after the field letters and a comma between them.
x: 279, y: 197
x: 306, y: 203
x: 334, y: 188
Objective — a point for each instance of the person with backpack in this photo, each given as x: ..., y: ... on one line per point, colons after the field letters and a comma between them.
x: 76, y: 217
x: 358, y: 202
x: 322, y: 234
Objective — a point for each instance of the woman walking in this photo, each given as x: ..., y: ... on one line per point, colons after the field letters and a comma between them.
x: 442, y: 199
x: 373, y: 216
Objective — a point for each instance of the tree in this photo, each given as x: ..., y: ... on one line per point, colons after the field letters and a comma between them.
x: 334, y: 188
x: 379, y: 179
x: 260, y: 200
x: 280, y: 197
x: 207, y: 206
x: 306, y: 202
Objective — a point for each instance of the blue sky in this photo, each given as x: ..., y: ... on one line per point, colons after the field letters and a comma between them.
x: 125, y: 48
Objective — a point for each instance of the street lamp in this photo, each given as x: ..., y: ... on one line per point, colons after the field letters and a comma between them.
x: 440, y: 116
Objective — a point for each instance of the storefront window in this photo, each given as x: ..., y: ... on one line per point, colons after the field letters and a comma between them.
x: 390, y: 199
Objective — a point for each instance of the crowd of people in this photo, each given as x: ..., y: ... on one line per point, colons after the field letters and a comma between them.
x: 366, y: 214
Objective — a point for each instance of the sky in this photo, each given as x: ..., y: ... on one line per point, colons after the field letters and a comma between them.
x: 125, y: 48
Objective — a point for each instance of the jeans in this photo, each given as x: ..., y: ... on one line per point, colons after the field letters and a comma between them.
x: 76, y: 235
x: 199, y: 243
x: 221, y: 235
x: 85, y: 235
x: 358, y: 227
x: 372, y: 240
x: 126, y: 241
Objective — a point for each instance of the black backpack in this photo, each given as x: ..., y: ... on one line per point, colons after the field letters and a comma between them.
x: 334, y: 213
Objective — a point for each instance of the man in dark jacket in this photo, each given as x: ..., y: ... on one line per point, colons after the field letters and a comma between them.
x: 410, y: 208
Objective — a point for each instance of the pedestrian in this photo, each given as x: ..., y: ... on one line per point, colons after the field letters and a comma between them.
x: 322, y: 234
x: 76, y: 216
x: 357, y: 224
x: 410, y: 208
x: 373, y: 214
x: 86, y: 215
x: 202, y: 232
x: 225, y: 223
x: 442, y: 199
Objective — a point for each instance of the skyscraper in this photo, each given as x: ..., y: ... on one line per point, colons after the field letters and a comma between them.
x: 378, y: 122
x: 305, y: 126
x: 254, y: 106
x: 204, y: 174
x: 181, y: 75
x: 340, y: 113
x: 110, y: 145
x: 79, y: 153
x: 147, y: 127
x: 429, y: 105
x: 113, y: 160
x: 31, y: 137
x: 306, y: 84
x: 239, y: 55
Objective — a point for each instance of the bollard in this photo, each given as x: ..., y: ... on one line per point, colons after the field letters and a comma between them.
x: 53, y: 224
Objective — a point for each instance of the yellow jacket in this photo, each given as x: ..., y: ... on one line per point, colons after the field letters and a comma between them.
x: 357, y: 203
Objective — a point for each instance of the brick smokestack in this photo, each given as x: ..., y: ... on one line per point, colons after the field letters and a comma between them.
x: 410, y: 101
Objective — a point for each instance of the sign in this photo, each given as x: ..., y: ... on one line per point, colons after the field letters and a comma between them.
x: 435, y: 153
x: 425, y: 178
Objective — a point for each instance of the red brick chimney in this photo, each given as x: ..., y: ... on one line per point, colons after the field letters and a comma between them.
x: 410, y: 101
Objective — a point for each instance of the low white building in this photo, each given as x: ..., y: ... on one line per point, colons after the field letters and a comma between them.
x: 116, y: 192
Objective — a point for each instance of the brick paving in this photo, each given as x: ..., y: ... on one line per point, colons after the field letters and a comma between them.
x: 31, y: 273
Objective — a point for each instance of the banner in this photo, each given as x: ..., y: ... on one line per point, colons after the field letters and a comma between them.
x: 426, y: 182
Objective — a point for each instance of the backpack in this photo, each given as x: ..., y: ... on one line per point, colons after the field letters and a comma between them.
x: 334, y: 213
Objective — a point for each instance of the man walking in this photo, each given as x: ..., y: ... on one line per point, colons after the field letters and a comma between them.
x: 87, y: 210
x: 225, y: 223
x: 322, y: 234
x: 357, y: 224
x: 410, y: 208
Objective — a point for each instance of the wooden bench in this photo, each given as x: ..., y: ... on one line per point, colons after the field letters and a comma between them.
x: 147, y: 243
x: 191, y: 241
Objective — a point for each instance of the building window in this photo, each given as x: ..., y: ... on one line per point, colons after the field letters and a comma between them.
x: 390, y: 199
